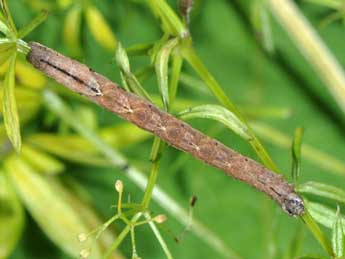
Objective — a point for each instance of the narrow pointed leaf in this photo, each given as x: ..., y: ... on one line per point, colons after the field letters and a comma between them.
x: 58, y: 220
x: 323, y: 190
x: 171, y: 23
x: 40, y: 161
x: 71, y: 30
x: 324, y: 215
x: 338, y: 239
x: 6, y: 51
x: 122, y: 59
x: 131, y: 83
x: 100, y: 29
x: 177, y: 62
x: 296, y: 153
x: 7, y: 15
x: 220, y: 114
x: 4, y: 28
x: 161, y: 65
x: 11, y: 217
x: 314, y: 228
x: 33, y: 24
x: 10, y: 112
x: 262, y: 24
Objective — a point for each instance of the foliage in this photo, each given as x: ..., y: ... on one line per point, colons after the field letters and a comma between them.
x: 62, y: 148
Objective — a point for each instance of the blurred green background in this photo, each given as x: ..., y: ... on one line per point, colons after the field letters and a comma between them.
x: 246, y: 220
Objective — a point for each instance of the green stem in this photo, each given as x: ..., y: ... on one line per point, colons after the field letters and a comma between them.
x: 60, y: 109
x: 122, y: 236
x: 193, y: 59
x: 151, y: 184
x: 158, y: 236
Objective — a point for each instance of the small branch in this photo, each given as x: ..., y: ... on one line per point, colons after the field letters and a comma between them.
x: 312, y: 47
x: 177, y: 133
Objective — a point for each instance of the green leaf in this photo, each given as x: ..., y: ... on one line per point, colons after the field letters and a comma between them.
x: 171, y: 24
x: 177, y: 62
x: 130, y: 82
x: 33, y: 24
x: 161, y: 66
x: 4, y: 28
x: 323, y: 190
x: 6, y: 50
x: 308, y: 219
x: 338, y: 241
x: 99, y: 28
x: 7, y: 15
x: 11, y: 217
x: 122, y: 59
x: 71, y: 30
x: 323, y: 214
x: 10, y: 112
x: 40, y: 161
x: 311, y: 256
x: 336, y: 4
x: 192, y: 58
x: 51, y: 210
x: 296, y: 153
x: 262, y: 24
x: 220, y: 114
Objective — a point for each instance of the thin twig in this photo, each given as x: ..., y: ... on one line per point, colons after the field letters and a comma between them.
x: 177, y: 133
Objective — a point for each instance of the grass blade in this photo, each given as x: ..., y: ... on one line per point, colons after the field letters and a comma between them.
x: 323, y: 190
x: 10, y: 112
x: 220, y: 114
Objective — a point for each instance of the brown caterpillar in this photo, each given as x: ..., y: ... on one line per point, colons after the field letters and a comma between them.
x: 81, y: 79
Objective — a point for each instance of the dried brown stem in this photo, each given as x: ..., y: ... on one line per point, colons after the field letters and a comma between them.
x: 83, y: 80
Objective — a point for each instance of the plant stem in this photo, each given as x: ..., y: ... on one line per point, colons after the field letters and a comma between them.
x: 56, y: 106
x: 122, y: 236
x: 193, y: 59
x: 158, y: 236
x: 312, y: 47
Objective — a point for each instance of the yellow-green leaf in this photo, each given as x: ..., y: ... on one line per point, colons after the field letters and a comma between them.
x: 52, y: 212
x: 161, y: 65
x: 30, y: 77
x: 6, y: 50
x: 10, y: 112
x: 71, y: 30
x: 100, y: 29
x: 11, y: 217
x: 41, y: 161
